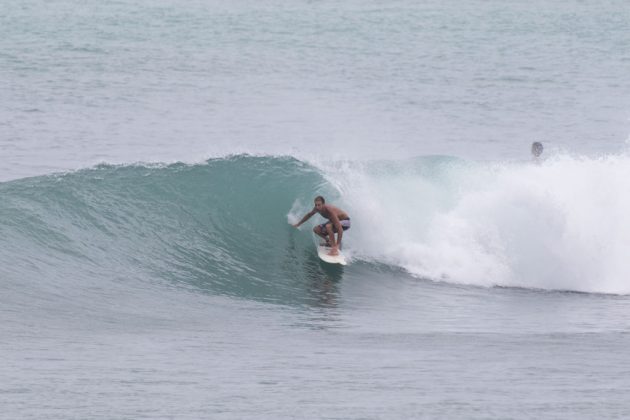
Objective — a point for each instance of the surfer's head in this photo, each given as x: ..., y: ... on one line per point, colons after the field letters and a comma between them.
x: 537, y: 148
x: 319, y: 202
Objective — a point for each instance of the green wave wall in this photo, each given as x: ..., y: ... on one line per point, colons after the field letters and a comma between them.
x: 220, y: 226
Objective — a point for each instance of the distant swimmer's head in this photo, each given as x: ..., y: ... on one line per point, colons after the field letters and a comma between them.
x: 319, y: 202
x: 537, y: 148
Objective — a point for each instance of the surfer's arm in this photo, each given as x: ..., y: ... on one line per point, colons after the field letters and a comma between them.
x: 305, y: 218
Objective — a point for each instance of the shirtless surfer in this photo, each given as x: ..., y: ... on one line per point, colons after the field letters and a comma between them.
x: 338, y: 221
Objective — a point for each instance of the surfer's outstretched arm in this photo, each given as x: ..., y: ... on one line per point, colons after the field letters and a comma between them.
x: 305, y: 218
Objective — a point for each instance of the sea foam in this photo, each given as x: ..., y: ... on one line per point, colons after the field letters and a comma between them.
x: 560, y: 224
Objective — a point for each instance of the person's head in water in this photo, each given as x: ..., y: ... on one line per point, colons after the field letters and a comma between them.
x: 319, y: 202
x: 537, y: 149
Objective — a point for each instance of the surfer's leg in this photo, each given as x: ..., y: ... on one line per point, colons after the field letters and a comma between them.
x: 330, y: 233
x: 321, y: 232
x: 333, y: 242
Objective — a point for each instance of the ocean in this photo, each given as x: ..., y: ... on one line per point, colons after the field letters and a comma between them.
x: 156, y: 153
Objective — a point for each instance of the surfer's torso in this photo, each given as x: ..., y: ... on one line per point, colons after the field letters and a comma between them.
x: 328, y: 210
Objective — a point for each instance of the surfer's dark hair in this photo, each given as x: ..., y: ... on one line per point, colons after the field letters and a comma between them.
x: 320, y: 198
x: 537, y: 148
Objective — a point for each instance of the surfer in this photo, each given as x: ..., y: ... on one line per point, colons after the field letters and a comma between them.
x: 338, y: 221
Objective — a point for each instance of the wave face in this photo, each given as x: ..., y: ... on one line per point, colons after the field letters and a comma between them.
x: 222, y: 225
x: 219, y: 225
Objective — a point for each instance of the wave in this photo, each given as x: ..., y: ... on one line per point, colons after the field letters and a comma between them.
x: 222, y: 225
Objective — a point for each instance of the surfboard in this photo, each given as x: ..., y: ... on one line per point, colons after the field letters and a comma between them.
x: 322, y: 252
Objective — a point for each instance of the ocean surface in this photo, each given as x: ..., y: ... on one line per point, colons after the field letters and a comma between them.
x: 154, y: 154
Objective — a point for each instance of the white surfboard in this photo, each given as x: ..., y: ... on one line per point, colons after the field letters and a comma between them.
x: 322, y: 252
